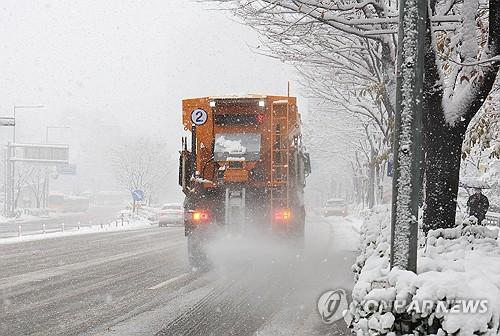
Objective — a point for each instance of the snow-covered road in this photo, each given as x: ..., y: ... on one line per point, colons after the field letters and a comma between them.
x: 138, y: 283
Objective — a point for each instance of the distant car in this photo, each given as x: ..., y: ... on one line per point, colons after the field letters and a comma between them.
x: 171, y: 214
x: 335, y: 207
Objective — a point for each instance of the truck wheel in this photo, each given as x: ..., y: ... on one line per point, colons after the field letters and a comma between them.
x: 299, y: 231
x: 196, y: 255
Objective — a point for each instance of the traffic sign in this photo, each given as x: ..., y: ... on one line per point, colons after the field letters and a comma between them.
x: 199, y: 117
x: 138, y: 195
x: 68, y: 169
x: 40, y: 153
x: 7, y: 121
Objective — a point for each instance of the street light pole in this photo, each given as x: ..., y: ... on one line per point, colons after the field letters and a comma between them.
x: 407, y: 134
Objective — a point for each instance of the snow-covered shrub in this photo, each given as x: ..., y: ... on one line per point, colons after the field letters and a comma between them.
x: 142, y: 214
x: 457, y: 268
x: 375, y: 239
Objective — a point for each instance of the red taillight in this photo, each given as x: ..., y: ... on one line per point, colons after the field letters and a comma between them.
x: 282, y: 215
x: 200, y: 216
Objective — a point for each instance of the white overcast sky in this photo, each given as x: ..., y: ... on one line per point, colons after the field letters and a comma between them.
x: 122, y: 63
x: 119, y: 68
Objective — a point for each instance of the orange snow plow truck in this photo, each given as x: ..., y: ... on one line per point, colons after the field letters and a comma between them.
x: 244, y: 168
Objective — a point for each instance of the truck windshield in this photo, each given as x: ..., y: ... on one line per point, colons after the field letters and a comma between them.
x: 237, y: 147
x: 335, y: 203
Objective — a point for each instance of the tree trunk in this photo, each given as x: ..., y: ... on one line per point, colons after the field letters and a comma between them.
x: 378, y: 185
x: 442, y: 170
x: 371, y: 181
x: 442, y: 147
x: 16, y: 200
x: 442, y: 143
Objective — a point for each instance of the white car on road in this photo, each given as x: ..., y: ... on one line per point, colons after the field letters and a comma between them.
x: 335, y: 207
x: 171, y: 214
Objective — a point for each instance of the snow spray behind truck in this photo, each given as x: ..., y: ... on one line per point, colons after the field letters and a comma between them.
x: 244, y: 168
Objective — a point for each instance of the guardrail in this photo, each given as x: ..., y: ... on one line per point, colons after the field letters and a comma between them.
x: 62, y: 227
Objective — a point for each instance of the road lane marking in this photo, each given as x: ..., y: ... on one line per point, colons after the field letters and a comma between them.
x: 24, y: 278
x: 169, y: 281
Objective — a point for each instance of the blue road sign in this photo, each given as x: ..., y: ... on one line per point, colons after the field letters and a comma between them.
x: 138, y: 195
x: 69, y: 169
x: 390, y: 168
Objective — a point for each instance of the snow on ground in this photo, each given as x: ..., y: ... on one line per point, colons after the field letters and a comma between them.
x: 22, y: 218
x: 28, y: 215
x: 285, y: 284
x: 456, y: 267
x: 130, y: 223
x: 345, y: 231
x: 331, y: 246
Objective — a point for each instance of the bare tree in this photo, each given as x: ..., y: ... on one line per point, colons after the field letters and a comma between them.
x: 355, y: 42
x: 140, y: 165
x: 343, y: 70
x: 23, y: 173
x: 36, y: 183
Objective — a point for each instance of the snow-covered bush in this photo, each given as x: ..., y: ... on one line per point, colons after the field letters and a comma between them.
x: 375, y: 241
x: 457, y: 272
x: 142, y: 214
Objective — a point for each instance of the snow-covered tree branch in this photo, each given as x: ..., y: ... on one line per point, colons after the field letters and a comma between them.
x: 140, y: 165
x: 345, y: 49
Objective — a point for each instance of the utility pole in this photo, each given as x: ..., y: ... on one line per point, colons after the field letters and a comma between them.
x: 407, y: 134
x: 6, y: 121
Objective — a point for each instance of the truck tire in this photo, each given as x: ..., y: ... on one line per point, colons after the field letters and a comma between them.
x: 196, y: 255
x: 298, y: 232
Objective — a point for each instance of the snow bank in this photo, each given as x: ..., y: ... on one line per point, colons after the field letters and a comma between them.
x: 110, y: 227
x: 131, y: 222
x: 456, y: 290
x: 24, y: 215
